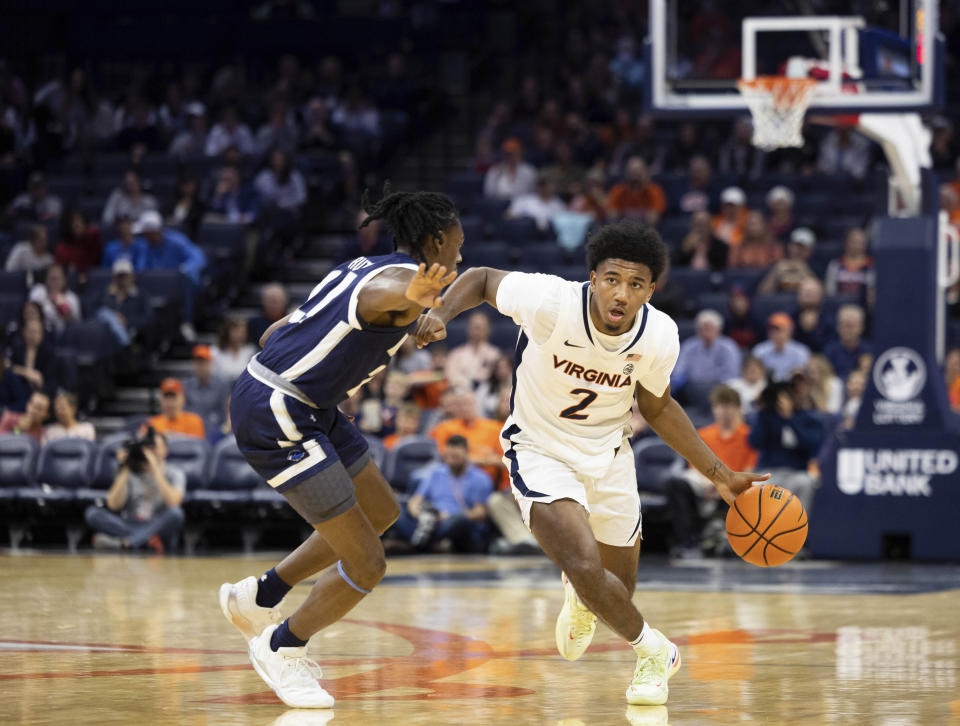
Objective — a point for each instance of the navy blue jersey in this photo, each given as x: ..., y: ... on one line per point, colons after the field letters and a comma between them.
x: 326, y: 350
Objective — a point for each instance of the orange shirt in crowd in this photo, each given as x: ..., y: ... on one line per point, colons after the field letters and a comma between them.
x: 755, y: 255
x: 730, y: 232
x: 627, y: 200
x: 954, y: 393
x: 186, y: 424
x: 733, y: 450
x: 483, y: 438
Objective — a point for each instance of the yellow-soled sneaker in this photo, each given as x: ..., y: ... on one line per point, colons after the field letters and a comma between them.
x: 649, y: 686
x: 575, y: 624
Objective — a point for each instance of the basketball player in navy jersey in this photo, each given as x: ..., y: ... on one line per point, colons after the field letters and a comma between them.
x: 287, y: 425
x: 584, y: 353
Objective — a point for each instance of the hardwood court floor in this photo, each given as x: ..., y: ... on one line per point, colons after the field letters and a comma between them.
x: 106, y: 639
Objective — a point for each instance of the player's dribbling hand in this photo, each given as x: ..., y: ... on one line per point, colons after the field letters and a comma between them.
x: 737, y: 482
x: 425, y: 287
x: 429, y: 329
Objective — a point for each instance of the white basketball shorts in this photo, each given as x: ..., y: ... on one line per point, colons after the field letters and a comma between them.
x: 611, y: 501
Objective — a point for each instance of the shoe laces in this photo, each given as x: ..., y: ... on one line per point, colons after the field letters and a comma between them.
x: 303, y: 670
x: 649, y: 668
x: 581, y: 619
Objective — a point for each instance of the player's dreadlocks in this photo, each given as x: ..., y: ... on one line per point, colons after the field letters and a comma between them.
x: 412, y: 217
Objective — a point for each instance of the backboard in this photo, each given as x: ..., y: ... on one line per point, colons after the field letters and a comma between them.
x: 867, y: 55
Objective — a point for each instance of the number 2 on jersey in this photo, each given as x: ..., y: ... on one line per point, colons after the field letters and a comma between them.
x: 573, y: 412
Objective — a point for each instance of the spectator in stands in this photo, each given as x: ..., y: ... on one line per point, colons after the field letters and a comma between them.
x: 512, y: 176
x: 319, y: 134
x: 697, y: 197
x: 700, y: 249
x: 541, y: 207
x: 411, y: 359
x: 951, y: 376
x: 780, y: 211
x: 36, y: 204
x: 779, y: 353
x: 488, y: 391
x: 279, y: 132
x: 233, y: 350
x: 814, y: 326
x: 358, y: 119
x: 473, y: 362
x: 449, y: 503
x: 65, y: 408
x: 670, y: 297
x: 705, y: 359
x: 173, y: 419
x: 140, y: 131
x: 757, y: 248
x: 854, y: 390
x: 232, y: 201
x: 429, y: 385
x: 229, y: 132
x: 643, y: 143
x: 379, y: 413
x: 691, y: 497
x: 491, y: 135
x: 686, y: 146
x: 588, y: 149
x: 29, y: 423
x: 407, y: 424
x: 592, y: 198
x: 852, y: 273
x: 483, y: 434
x: 143, y: 502
x: 844, y: 152
x: 79, y: 247
x: 273, y: 305
x: 191, y: 143
x: 14, y: 390
x: 637, y: 196
x: 30, y: 256
x: 786, y: 441
x: 825, y: 388
x: 729, y: 224
x: 122, y: 307
x: 128, y: 200
x: 31, y: 356
x: 187, y: 210
x: 738, y: 156
x: 845, y: 352
x: 204, y: 393
x: 741, y: 324
x: 282, y: 192
x: 565, y: 173
x: 750, y: 383
x: 787, y: 274
x: 126, y: 245
x: 217, y: 433
x: 167, y: 249
x: 60, y: 306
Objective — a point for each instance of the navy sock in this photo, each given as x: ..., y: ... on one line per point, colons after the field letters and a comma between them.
x: 270, y: 589
x: 283, y: 638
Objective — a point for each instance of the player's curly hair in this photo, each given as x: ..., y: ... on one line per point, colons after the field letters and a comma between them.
x: 628, y: 241
x: 412, y: 217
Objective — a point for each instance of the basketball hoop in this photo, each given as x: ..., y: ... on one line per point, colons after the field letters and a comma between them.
x: 778, y: 105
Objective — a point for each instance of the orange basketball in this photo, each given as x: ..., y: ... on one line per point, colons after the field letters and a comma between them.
x: 767, y: 525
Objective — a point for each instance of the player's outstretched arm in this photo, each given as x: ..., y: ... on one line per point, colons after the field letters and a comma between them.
x: 671, y: 423
x: 475, y: 286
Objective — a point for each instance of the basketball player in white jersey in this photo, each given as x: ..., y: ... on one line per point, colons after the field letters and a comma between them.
x: 584, y: 352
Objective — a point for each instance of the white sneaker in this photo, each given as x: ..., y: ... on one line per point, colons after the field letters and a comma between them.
x: 238, y: 601
x: 575, y: 624
x: 293, y: 676
x: 649, y: 686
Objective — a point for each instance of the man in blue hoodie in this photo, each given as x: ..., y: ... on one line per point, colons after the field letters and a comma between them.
x: 167, y: 249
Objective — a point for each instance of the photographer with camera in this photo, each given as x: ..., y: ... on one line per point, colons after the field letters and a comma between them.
x: 143, y: 503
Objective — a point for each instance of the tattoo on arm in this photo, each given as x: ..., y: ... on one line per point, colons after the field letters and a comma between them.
x: 715, y: 469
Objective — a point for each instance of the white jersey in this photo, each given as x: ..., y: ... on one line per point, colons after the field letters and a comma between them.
x: 574, y: 386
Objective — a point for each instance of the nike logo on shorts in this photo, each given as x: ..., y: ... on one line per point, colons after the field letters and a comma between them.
x: 573, y: 345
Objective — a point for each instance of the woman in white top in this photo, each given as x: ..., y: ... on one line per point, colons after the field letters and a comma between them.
x: 128, y: 200
x: 826, y: 390
x: 752, y: 381
x: 233, y: 350
x: 67, y: 426
x: 60, y: 305
x: 280, y: 185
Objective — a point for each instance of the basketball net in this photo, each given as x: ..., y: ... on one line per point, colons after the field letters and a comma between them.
x: 778, y: 105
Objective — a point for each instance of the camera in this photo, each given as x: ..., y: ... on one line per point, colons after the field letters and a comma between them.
x: 136, y: 459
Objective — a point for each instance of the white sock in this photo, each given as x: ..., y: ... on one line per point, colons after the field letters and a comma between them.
x: 647, y: 642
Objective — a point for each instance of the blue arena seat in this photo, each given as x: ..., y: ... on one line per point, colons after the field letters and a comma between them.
x: 656, y: 462
x: 191, y: 456
x: 18, y: 462
x: 64, y: 467
x: 13, y: 283
x: 229, y: 471
x: 90, y: 340
x: 410, y: 454
x: 692, y: 281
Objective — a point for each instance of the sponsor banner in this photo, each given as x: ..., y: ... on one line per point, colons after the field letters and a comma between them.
x: 894, y: 472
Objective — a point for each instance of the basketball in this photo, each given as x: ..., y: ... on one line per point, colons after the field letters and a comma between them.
x: 767, y: 525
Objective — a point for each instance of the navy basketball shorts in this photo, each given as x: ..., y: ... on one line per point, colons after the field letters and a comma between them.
x: 309, y: 455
